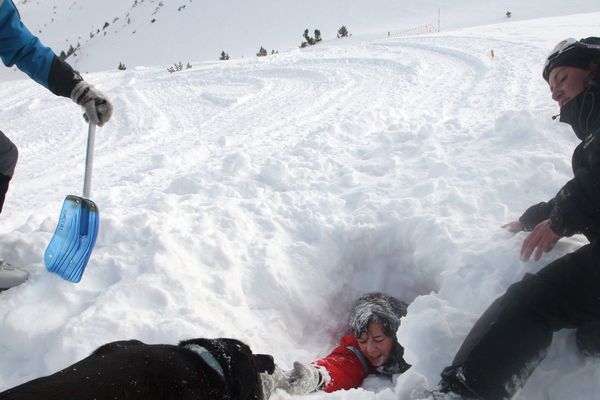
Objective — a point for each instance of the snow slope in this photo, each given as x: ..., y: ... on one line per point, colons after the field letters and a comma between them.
x: 162, y: 32
x: 258, y: 198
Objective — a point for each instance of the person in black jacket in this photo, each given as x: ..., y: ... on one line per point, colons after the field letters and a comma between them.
x: 512, y: 336
x: 18, y: 46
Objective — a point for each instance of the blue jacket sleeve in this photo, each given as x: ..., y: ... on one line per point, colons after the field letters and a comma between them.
x: 18, y: 46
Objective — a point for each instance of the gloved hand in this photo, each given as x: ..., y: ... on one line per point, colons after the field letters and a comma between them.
x: 271, y: 382
x: 96, y: 105
x: 305, y: 378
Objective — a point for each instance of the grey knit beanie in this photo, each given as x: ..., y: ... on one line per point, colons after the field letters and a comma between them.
x: 377, y: 307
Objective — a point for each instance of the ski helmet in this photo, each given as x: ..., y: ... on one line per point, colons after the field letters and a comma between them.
x: 573, y: 53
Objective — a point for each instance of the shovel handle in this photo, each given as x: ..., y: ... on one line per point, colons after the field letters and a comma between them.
x: 89, y: 160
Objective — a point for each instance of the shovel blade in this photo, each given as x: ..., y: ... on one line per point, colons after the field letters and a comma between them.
x: 69, y: 250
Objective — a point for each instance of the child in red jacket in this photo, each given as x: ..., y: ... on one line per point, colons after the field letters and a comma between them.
x: 371, y: 348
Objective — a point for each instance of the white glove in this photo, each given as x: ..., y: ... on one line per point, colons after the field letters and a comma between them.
x: 96, y: 105
x: 271, y: 382
x: 305, y: 378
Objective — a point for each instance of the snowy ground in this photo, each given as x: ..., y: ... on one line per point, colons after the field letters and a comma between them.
x: 258, y: 198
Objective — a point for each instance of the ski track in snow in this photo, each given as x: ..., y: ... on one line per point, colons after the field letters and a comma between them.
x: 307, y: 178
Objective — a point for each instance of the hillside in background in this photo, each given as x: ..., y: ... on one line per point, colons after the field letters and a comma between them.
x: 162, y: 32
x: 258, y: 198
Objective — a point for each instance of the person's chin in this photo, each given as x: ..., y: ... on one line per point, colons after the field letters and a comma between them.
x: 563, y: 103
x: 376, y: 362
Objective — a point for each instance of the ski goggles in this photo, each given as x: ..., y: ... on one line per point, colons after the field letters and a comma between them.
x: 561, y: 48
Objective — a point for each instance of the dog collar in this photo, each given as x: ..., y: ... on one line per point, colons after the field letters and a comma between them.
x: 208, y: 357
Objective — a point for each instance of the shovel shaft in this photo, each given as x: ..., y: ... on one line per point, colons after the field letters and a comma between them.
x: 89, y: 161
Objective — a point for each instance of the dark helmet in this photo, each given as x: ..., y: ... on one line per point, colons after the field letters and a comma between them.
x: 573, y: 53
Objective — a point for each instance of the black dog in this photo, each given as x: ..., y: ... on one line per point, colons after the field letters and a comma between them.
x: 197, y: 369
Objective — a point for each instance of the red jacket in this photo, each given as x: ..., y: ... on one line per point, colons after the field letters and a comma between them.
x: 345, y: 368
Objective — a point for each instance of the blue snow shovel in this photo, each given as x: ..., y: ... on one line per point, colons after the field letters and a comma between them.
x: 69, y: 250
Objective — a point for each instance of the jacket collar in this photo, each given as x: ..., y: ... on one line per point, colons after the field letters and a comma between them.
x: 583, y: 111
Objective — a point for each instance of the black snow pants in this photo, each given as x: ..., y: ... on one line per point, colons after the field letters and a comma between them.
x: 512, y: 336
x: 8, y: 161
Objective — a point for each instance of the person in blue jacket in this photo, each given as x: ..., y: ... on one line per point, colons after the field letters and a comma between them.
x: 18, y: 46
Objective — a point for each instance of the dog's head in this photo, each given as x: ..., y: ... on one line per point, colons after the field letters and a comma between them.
x: 240, y: 367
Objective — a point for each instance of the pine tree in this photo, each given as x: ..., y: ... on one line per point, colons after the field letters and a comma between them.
x: 176, y: 67
x: 262, y: 52
x: 342, y: 32
x: 122, y: 67
x: 309, y: 40
x: 224, y: 56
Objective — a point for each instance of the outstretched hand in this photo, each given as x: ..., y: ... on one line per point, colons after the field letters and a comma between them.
x: 304, y: 379
x: 541, y: 239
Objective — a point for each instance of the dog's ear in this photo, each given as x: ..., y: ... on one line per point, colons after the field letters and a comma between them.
x: 240, y: 366
x: 264, y: 363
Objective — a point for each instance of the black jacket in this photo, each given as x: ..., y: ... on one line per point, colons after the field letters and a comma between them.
x: 576, y: 206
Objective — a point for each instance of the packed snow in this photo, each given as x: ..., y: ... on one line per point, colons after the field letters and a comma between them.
x: 257, y: 198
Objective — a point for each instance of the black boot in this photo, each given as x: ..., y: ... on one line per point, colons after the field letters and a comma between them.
x: 588, y: 339
x: 453, y: 383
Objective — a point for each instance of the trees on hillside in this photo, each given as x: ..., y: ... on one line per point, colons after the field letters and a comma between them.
x: 342, y: 32
x: 310, y: 40
x: 178, y: 67
x: 71, y: 50
x: 262, y: 52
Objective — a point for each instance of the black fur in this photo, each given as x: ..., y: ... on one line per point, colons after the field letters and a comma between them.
x: 132, y: 370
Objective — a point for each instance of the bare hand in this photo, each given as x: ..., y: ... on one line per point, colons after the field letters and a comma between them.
x: 513, y: 227
x: 541, y: 239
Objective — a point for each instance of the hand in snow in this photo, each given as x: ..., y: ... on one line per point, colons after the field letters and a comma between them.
x: 304, y: 379
x: 513, y: 227
x: 96, y: 105
x: 541, y: 239
x: 271, y: 382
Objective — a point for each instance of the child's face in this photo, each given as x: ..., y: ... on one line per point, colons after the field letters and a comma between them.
x: 375, y: 345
